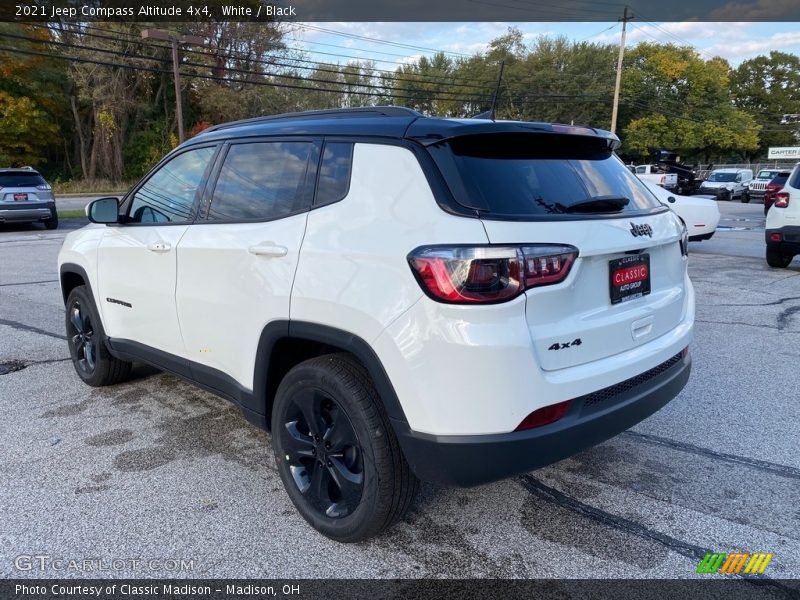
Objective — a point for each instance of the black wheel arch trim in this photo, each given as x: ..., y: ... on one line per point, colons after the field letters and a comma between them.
x: 75, y: 270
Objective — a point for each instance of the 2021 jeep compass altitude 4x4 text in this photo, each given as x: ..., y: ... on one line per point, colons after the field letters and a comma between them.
x: 394, y: 296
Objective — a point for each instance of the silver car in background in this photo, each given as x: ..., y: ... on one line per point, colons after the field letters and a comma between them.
x: 25, y: 197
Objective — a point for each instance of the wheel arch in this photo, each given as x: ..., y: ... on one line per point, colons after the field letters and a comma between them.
x: 71, y: 276
x: 284, y: 344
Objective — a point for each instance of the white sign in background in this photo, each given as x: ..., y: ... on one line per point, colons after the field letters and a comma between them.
x: 784, y: 152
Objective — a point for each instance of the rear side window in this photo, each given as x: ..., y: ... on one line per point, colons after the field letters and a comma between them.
x: 21, y: 180
x: 334, y: 172
x: 539, y: 176
x: 261, y: 181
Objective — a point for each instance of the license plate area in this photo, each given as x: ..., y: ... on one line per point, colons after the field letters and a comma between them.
x: 20, y: 197
x: 629, y: 277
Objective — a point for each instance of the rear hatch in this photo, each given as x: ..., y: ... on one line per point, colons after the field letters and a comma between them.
x: 24, y: 187
x: 627, y: 285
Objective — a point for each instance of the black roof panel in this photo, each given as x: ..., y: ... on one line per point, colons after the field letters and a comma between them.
x: 381, y: 121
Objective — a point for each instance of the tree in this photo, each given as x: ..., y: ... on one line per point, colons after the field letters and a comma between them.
x: 768, y: 87
x: 672, y: 98
x: 32, y: 101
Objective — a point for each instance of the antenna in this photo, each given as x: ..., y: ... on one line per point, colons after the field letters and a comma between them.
x: 492, y: 111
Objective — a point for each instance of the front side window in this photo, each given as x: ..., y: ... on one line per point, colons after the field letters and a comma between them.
x: 261, y: 181
x: 168, y: 195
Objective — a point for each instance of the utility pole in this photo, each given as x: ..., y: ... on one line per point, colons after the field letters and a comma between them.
x: 615, y: 108
x: 174, y: 39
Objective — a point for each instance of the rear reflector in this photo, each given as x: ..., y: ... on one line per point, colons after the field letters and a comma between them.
x: 544, y: 416
x: 775, y: 237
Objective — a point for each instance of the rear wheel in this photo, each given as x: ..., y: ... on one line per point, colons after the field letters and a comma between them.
x: 775, y: 258
x: 90, y: 357
x: 336, y: 452
x: 52, y: 222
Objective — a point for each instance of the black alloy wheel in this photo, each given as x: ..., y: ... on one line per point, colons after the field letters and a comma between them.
x: 336, y: 451
x: 82, y: 337
x: 93, y: 363
x: 323, y: 453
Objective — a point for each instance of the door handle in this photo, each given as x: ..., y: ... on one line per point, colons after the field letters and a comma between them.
x: 159, y: 247
x: 273, y: 250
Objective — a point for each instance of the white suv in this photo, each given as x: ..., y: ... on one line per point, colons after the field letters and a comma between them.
x: 394, y: 296
x: 783, y: 223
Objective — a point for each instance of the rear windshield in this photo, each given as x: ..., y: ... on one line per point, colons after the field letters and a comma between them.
x: 539, y: 176
x: 766, y: 174
x: 21, y: 180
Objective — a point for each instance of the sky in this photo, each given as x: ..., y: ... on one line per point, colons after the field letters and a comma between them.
x: 735, y: 42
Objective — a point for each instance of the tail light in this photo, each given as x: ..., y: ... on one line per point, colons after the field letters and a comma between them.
x: 488, y: 274
x: 773, y: 187
x: 544, y: 416
x: 781, y: 200
x: 44, y: 186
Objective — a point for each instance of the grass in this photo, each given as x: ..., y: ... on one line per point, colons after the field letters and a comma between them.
x: 89, y: 187
x: 73, y: 213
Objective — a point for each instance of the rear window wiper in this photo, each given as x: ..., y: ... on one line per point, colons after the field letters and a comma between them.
x: 596, y: 204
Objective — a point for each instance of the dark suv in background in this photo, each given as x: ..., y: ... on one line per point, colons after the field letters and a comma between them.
x: 25, y: 197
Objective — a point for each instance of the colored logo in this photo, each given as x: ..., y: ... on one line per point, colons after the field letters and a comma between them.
x: 735, y: 563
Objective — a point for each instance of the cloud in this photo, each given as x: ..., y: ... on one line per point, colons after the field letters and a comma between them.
x: 777, y: 41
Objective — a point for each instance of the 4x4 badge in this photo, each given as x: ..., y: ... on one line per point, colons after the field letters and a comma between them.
x: 637, y: 230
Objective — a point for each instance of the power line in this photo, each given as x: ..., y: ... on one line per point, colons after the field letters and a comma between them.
x: 379, y: 41
x: 390, y: 75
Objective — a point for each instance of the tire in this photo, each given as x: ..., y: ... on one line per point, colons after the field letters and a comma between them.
x: 52, y: 222
x: 776, y: 259
x: 86, y: 339
x: 745, y: 198
x: 336, y: 452
x: 766, y: 210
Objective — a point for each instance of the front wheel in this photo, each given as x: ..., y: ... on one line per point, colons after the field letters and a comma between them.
x: 776, y: 259
x: 745, y: 198
x: 336, y: 452
x: 90, y: 356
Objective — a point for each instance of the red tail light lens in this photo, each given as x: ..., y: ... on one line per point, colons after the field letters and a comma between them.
x: 544, y: 416
x: 773, y: 187
x: 488, y: 274
x: 781, y: 199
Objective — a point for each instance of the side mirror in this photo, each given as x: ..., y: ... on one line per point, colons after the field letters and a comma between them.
x: 671, y: 199
x: 103, y: 210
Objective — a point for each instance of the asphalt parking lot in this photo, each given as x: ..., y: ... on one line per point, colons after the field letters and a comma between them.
x: 157, y: 470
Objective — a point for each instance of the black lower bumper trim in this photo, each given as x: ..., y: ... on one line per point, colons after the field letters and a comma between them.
x: 470, y: 460
x: 790, y: 239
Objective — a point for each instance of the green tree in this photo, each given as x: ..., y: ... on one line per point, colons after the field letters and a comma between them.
x: 672, y: 98
x: 768, y: 87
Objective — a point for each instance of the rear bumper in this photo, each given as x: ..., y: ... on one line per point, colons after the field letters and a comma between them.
x: 470, y: 460
x: 790, y: 239
x: 33, y: 211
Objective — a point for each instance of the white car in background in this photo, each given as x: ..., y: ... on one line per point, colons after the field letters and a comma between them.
x: 701, y: 215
